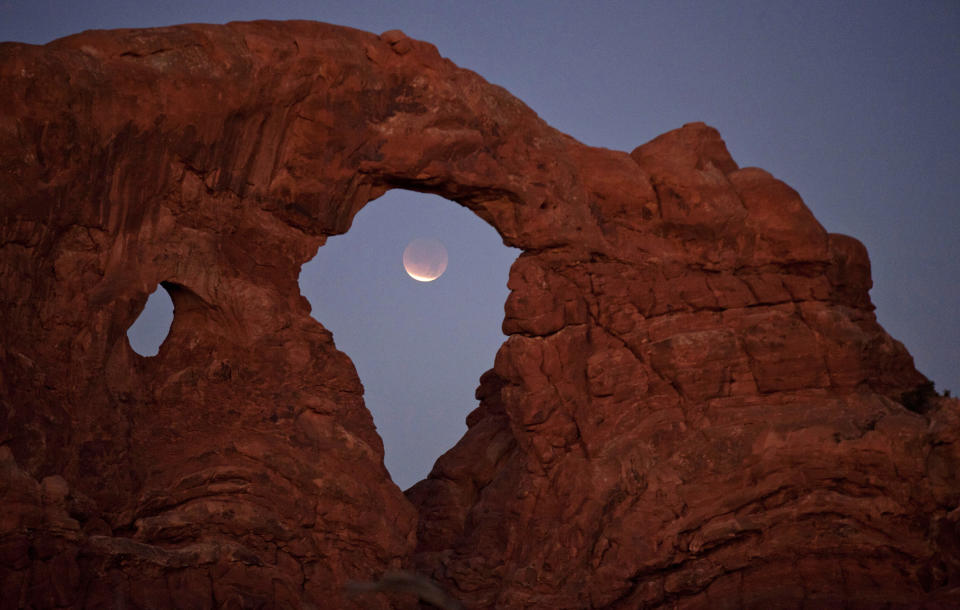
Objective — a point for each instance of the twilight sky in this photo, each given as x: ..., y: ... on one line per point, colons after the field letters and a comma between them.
x: 856, y: 105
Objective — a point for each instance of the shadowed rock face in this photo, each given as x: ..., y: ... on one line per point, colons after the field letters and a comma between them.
x: 695, y: 405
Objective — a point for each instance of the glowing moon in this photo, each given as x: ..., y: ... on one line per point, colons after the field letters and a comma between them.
x: 425, y: 259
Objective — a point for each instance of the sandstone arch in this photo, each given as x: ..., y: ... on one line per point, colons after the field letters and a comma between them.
x: 694, y: 406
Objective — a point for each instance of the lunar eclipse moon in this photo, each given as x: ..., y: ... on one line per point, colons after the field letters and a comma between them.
x: 425, y: 259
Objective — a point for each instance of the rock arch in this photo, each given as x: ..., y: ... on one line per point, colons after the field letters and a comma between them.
x: 690, y: 406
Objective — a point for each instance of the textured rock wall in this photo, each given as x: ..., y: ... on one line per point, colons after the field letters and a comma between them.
x: 695, y: 405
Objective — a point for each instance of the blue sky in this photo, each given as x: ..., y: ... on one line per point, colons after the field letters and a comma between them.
x: 855, y: 104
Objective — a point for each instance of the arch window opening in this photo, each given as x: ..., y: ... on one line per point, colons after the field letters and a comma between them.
x: 419, y: 346
x: 150, y: 329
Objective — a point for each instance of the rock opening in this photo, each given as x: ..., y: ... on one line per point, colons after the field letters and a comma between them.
x: 150, y: 329
x: 419, y: 348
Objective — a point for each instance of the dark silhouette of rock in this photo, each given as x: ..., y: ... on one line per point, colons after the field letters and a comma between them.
x: 695, y: 406
x: 403, y: 581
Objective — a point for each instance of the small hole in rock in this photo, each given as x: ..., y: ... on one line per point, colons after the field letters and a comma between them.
x: 419, y: 346
x: 152, y: 326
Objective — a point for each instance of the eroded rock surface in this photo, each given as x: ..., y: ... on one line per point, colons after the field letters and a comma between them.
x: 695, y: 406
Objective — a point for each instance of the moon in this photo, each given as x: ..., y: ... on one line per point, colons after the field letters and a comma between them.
x: 425, y: 259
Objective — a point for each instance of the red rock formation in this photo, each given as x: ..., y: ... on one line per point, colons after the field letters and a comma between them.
x: 695, y: 406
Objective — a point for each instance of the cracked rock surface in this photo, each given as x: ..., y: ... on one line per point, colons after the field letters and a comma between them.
x: 695, y: 406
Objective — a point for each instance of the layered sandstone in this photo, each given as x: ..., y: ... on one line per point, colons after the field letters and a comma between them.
x: 695, y: 405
